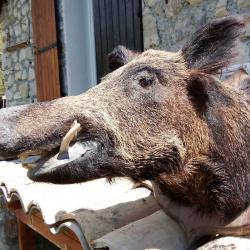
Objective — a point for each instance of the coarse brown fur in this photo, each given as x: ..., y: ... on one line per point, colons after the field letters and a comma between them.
x: 162, y: 117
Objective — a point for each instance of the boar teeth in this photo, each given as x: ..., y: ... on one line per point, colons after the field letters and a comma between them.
x: 28, y: 161
x: 69, y: 137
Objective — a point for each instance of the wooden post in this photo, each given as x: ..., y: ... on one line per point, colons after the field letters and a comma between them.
x: 25, y: 237
x: 27, y: 224
x: 45, y: 49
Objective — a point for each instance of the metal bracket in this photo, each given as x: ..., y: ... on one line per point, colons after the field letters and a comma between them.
x: 20, y: 45
x: 44, y: 49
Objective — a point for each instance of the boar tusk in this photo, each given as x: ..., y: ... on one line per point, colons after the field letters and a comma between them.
x: 69, y: 137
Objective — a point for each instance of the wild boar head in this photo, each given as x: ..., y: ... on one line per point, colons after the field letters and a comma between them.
x: 160, y: 116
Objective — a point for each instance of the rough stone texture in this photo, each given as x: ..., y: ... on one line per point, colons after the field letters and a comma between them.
x: 167, y: 24
x: 8, y: 228
x: 193, y: 2
x: 221, y: 9
x: 149, y: 24
x: 243, y: 3
x: 18, y: 65
x: 174, y: 7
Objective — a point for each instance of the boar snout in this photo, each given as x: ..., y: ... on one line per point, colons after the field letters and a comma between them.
x: 32, y: 129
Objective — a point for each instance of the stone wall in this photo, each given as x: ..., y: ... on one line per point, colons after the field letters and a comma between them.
x: 8, y: 228
x: 168, y: 23
x: 18, y: 64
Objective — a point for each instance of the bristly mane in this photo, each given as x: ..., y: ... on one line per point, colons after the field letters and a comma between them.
x: 202, y: 52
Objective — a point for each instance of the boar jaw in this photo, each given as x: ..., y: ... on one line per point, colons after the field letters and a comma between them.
x: 81, y: 152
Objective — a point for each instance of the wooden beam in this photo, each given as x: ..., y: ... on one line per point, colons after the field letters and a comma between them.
x: 66, y: 240
x: 25, y: 236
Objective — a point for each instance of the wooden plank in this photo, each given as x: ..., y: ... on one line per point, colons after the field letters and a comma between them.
x: 47, y: 75
x: 66, y: 232
x: 46, y: 63
x: 25, y: 237
x: 64, y: 240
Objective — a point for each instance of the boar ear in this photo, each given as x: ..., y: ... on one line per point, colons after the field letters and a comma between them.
x: 214, y: 46
x: 197, y: 91
x: 120, y: 56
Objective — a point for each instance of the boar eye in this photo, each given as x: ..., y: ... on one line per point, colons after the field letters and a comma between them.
x: 145, y: 82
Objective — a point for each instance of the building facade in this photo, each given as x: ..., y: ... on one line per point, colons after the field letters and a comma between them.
x: 17, y: 55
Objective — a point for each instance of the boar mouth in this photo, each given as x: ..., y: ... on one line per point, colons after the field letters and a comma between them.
x: 61, y: 163
x: 79, y: 152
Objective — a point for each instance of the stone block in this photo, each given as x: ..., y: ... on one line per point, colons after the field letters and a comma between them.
x: 17, y: 66
x: 17, y: 30
x: 10, y: 80
x: 26, y: 63
x: 17, y: 96
x: 221, y: 9
x: 14, y: 88
x: 222, y: 4
x: 5, y: 61
x: 247, y: 34
x: 11, y: 32
x: 26, y: 54
x: 24, y: 90
x: 243, y: 4
x: 9, y: 94
x: 18, y: 75
x: 24, y: 27
x: 25, y: 9
x: 31, y: 74
x: 19, y: 5
x: 194, y: 2
x: 174, y: 7
x: 24, y: 75
x: 32, y: 89
x: 150, y: 3
x: 24, y: 36
x: 159, y: 9
x: 22, y: 55
x: 15, y: 12
x: 151, y: 38
x: 15, y: 56
x: 221, y: 12
x: 243, y: 56
x: 146, y: 11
